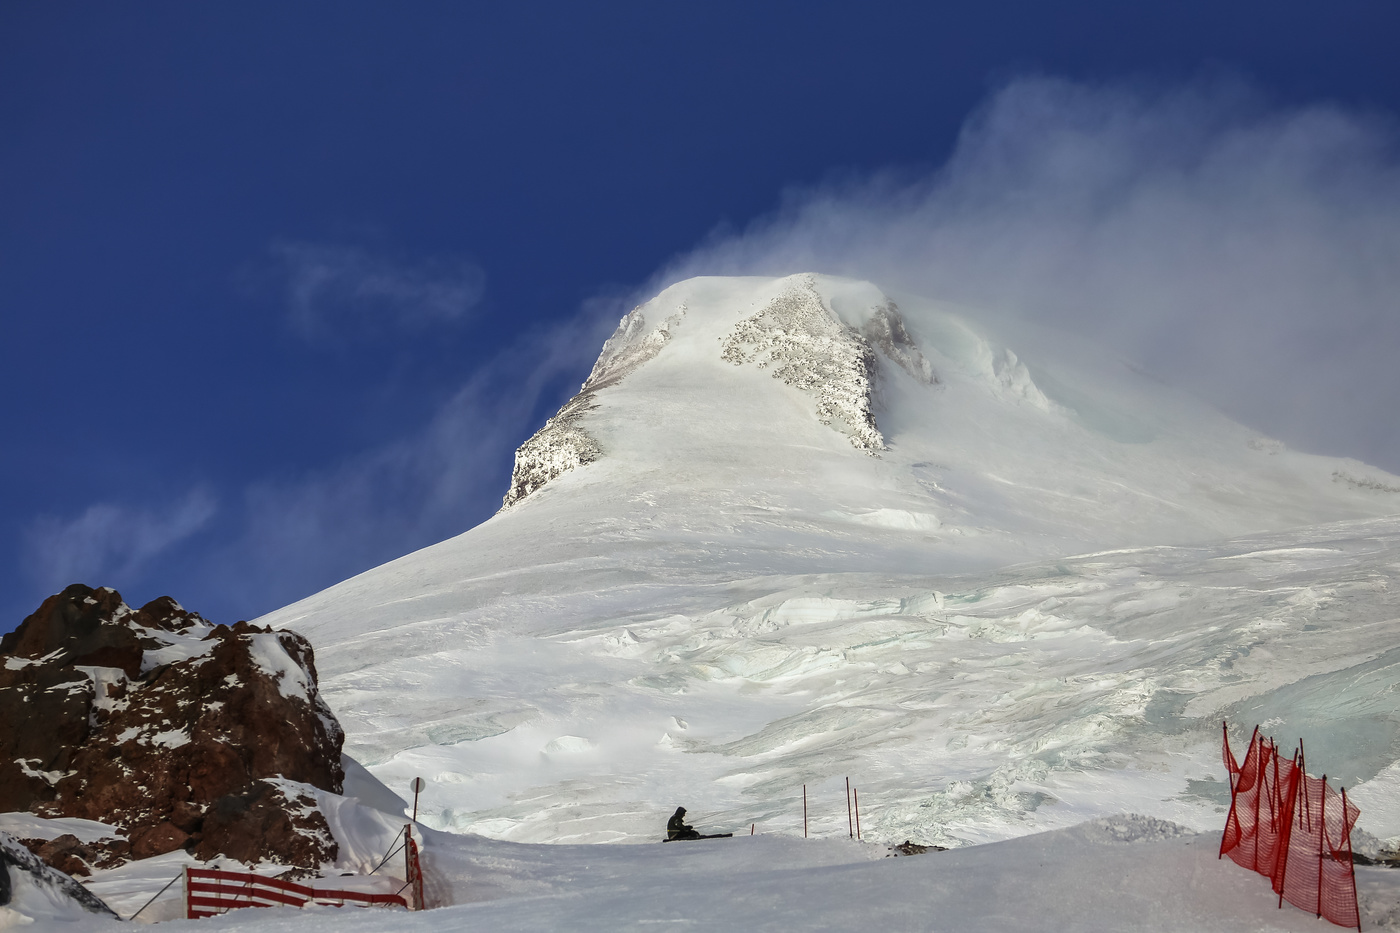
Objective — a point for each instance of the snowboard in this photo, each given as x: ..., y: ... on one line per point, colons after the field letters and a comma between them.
x: 710, y: 836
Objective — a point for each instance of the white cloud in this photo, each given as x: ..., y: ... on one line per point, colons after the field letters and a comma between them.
x: 109, y: 543
x: 344, y: 290
x: 1248, y: 251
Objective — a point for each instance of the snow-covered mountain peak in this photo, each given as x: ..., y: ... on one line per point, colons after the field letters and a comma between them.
x: 828, y: 400
x: 821, y: 336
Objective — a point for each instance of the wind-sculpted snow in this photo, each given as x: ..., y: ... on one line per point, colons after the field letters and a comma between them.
x: 965, y: 708
x: 804, y: 345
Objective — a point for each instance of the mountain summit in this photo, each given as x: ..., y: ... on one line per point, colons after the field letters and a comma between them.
x: 756, y: 393
x: 797, y: 335
x: 796, y: 529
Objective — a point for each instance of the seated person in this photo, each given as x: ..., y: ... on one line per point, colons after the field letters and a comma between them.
x: 676, y: 828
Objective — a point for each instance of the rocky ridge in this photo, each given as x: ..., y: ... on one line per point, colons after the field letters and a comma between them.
x: 181, y: 733
x: 797, y: 337
x: 806, y: 345
x: 563, y: 444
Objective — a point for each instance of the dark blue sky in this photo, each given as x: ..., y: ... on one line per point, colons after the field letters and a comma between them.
x: 284, y: 284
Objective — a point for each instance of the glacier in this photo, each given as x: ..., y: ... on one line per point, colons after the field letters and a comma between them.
x: 799, y: 529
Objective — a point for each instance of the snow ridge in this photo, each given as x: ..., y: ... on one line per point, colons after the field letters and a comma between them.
x: 563, y: 444
x: 629, y: 347
x: 811, y: 349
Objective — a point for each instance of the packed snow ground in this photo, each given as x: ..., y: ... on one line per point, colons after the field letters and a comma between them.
x: 1125, y: 873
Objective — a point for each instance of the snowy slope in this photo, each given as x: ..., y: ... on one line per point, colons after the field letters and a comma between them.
x: 1120, y: 874
x: 717, y: 579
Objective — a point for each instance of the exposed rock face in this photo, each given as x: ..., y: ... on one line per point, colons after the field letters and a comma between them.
x: 562, y: 444
x: 886, y: 332
x: 629, y: 347
x: 807, y: 346
x: 797, y: 337
x: 182, y: 733
x: 558, y: 447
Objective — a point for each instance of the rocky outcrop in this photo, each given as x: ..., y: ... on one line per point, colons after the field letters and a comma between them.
x: 885, y: 331
x: 555, y: 449
x: 797, y: 337
x: 184, y: 734
x: 805, y: 345
x: 563, y: 444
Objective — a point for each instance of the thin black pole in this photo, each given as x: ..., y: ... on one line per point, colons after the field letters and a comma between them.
x: 1351, y: 862
x: 850, y: 824
x: 157, y: 894
x: 804, y: 811
x: 1321, y: 836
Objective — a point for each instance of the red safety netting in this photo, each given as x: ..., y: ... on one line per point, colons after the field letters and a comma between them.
x: 209, y: 892
x: 415, y: 875
x: 1293, y: 829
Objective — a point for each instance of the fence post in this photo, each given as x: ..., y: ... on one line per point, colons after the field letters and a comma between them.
x: 1351, y: 862
x: 1259, y: 783
x: 850, y: 824
x: 1294, y: 814
x: 804, y: 811
x: 1321, y: 837
x: 185, y: 894
x: 856, y: 792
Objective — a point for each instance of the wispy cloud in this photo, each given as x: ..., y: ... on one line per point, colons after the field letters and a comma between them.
x: 336, y: 290
x: 1248, y: 251
x: 108, y: 543
x: 308, y: 532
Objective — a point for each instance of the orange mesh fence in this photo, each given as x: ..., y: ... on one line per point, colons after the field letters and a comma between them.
x: 1293, y: 829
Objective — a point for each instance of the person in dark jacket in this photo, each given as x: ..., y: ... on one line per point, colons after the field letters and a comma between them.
x: 676, y: 828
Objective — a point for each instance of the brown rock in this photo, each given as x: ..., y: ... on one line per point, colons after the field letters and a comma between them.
x: 66, y: 854
x: 175, y: 754
x: 158, y: 840
x: 187, y: 815
x: 245, y: 826
x: 84, y: 625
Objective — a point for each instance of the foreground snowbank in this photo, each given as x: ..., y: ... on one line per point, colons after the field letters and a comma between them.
x: 1123, y: 873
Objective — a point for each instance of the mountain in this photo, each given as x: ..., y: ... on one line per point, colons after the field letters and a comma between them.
x: 796, y: 530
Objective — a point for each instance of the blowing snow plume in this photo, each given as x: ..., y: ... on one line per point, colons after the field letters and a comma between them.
x: 1247, y: 252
